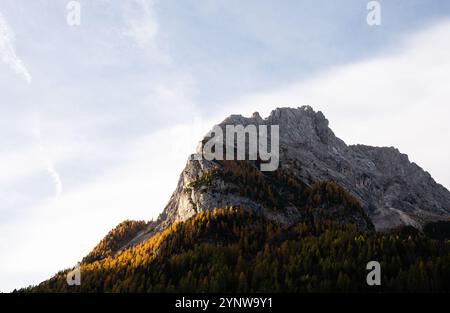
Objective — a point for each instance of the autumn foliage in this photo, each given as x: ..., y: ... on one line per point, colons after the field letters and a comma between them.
x: 234, y: 250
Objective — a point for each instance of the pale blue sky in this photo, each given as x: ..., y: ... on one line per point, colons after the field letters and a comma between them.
x: 90, y: 140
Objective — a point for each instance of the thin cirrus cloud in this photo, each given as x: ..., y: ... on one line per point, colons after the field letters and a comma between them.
x: 8, y: 51
x: 10, y: 58
x: 50, y: 168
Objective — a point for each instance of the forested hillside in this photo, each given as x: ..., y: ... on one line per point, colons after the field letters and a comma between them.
x: 232, y: 249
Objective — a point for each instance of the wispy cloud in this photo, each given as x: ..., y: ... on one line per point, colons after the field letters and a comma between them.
x: 7, y: 50
x: 46, y: 159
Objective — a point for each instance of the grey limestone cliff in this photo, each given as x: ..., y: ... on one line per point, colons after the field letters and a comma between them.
x: 392, y: 190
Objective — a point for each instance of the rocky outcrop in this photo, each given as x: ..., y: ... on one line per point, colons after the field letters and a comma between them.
x: 392, y: 190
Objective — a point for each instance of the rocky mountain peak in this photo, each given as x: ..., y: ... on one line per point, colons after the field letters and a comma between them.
x: 257, y: 117
x: 391, y: 190
x: 302, y: 125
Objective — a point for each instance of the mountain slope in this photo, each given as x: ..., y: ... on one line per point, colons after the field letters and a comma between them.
x: 235, y: 250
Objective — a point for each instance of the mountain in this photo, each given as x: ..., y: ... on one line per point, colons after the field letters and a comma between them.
x: 392, y: 190
x: 314, y: 222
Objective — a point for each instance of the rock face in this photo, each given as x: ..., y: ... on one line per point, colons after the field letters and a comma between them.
x: 391, y: 190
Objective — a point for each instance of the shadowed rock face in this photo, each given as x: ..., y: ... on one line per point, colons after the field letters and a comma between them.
x: 392, y: 190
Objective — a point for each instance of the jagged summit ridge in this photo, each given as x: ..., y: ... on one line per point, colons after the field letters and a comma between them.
x: 304, y: 124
